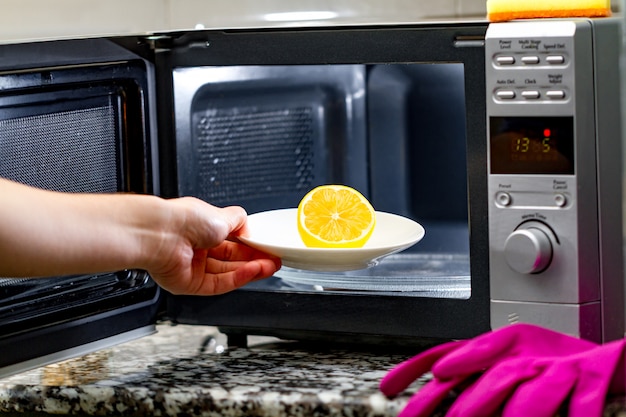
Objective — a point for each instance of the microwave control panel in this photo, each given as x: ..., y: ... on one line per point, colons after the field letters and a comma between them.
x: 542, y: 122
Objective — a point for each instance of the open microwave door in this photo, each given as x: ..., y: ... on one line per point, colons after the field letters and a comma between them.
x: 75, y: 116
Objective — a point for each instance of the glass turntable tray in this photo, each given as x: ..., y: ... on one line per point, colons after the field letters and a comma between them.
x: 430, y: 275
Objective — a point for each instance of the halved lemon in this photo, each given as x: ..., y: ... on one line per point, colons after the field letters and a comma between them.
x: 335, y: 216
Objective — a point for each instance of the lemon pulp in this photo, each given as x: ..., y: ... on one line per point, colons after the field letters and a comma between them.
x: 335, y: 216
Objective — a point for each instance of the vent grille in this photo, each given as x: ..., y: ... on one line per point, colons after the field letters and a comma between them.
x: 73, y: 151
x: 244, y: 153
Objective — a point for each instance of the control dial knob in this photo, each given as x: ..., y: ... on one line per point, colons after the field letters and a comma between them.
x: 528, y: 249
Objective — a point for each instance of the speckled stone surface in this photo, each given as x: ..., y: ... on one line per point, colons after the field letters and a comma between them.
x: 178, y: 371
x: 186, y: 371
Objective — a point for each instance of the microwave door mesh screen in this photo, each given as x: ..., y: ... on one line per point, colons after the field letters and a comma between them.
x: 71, y: 146
x: 73, y: 151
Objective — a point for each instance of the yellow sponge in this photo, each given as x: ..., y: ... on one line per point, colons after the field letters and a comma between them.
x: 502, y: 10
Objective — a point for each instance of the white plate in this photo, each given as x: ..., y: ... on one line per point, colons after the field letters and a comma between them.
x: 276, y: 232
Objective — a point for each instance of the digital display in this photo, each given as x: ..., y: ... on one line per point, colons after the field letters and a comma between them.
x: 532, y: 145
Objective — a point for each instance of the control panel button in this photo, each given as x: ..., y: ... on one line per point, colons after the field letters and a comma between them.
x: 531, y: 94
x: 504, y: 199
x: 560, y: 200
x: 528, y: 251
x: 505, y: 94
x: 555, y: 94
x: 530, y: 60
x: 505, y: 60
x: 555, y: 59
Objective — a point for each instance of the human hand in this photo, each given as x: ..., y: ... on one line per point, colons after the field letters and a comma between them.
x: 184, y: 243
x: 199, y: 254
x: 454, y: 363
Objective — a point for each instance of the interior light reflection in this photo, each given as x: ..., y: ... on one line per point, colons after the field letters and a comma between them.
x: 300, y: 16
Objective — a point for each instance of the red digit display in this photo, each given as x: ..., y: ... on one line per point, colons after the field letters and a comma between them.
x: 532, y: 145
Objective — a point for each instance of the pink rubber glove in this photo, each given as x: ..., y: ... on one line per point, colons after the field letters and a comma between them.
x: 538, y: 386
x: 454, y: 363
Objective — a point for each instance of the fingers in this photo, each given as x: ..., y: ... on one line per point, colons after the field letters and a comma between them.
x: 543, y: 395
x: 507, y: 343
x: 401, y: 376
x: 597, y: 368
x: 427, y: 399
x: 223, y: 277
x: 583, y: 379
x: 526, y: 371
x: 476, y: 355
x: 206, y: 225
x: 255, y: 270
x: 492, y: 389
x: 236, y: 217
x: 246, y: 269
x: 235, y: 251
x: 229, y: 266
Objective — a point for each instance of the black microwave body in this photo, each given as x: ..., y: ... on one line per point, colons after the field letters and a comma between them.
x: 257, y: 117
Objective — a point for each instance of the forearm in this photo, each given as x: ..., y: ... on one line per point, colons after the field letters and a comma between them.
x: 181, y: 242
x: 44, y: 233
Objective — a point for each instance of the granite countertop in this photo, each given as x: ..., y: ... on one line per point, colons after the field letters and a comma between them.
x: 187, y: 371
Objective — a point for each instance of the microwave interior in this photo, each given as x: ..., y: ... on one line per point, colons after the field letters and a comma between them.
x: 263, y: 136
x: 404, y: 126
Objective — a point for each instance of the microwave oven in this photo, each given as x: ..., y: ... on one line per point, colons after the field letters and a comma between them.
x: 503, y: 140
